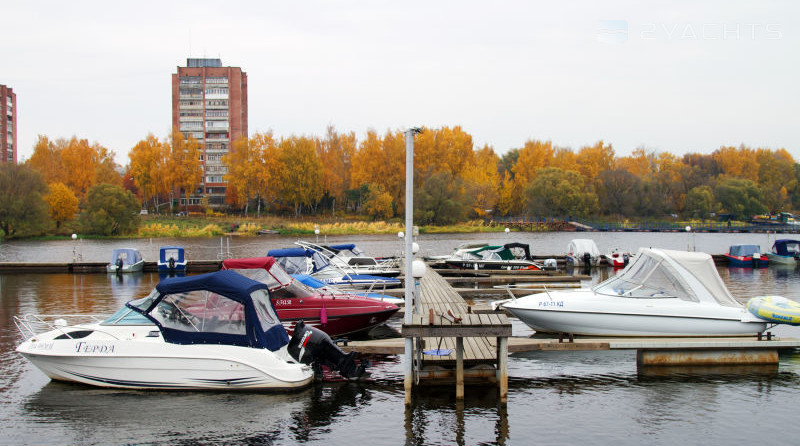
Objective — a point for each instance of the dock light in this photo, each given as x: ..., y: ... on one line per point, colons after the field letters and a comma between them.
x: 418, y: 269
x: 401, y: 234
x: 414, y: 249
x: 74, y: 236
x: 688, y: 229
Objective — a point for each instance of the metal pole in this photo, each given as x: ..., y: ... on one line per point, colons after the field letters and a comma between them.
x: 409, y: 280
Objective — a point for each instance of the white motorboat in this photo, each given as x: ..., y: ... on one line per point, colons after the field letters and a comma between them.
x: 350, y: 258
x: 308, y: 261
x: 509, y: 256
x: 582, y: 252
x: 616, y: 258
x: 661, y: 293
x: 213, y: 331
x: 125, y: 260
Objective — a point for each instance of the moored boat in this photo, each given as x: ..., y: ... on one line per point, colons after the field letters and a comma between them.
x: 660, y: 293
x: 746, y: 256
x: 582, y: 252
x: 785, y: 252
x: 172, y: 260
x: 335, y: 314
x: 125, y: 260
x: 509, y: 256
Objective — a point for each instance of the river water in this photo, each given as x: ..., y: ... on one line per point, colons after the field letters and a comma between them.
x: 554, y: 397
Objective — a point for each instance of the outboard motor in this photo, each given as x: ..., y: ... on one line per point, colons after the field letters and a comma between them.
x: 119, y: 266
x: 310, y: 345
x: 625, y: 259
x: 172, y: 265
x: 587, y: 259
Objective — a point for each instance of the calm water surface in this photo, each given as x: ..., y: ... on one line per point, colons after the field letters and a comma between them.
x: 582, y: 398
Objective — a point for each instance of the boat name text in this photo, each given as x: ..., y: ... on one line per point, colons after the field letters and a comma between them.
x: 551, y: 303
x: 83, y: 347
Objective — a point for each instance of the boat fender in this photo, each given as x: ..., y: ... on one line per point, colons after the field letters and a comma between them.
x: 314, y: 347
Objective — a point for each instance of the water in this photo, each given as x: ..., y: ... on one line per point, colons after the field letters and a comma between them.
x: 582, y: 398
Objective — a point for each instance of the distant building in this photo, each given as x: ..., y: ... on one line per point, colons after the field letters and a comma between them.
x: 8, y: 126
x: 209, y: 102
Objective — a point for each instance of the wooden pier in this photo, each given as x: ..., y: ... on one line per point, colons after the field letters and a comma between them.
x: 447, y: 337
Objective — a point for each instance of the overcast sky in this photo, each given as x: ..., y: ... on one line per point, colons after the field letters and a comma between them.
x: 677, y: 76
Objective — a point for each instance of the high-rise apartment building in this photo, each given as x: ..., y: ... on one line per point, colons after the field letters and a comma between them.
x: 8, y: 126
x: 209, y: 102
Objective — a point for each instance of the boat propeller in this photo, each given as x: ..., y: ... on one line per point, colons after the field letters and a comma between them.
x: 310, y: 345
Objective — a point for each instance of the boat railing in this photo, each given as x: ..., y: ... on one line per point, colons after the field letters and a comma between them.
x: 30, y: 325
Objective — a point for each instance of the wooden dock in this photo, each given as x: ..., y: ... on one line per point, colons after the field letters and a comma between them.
x: 447, y: 337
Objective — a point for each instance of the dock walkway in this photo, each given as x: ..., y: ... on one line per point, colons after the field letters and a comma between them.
x: 445, y: 328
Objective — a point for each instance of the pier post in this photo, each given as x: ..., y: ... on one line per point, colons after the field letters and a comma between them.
x: 409, y: 260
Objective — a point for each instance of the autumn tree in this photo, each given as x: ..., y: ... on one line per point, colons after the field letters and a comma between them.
x: 381, y: 160
x: 301, y: 182
x: 147, y: 165
x: 559, y: 193
x: 740, y: 162
x: 22, y: 208
x: 336, y: 154
x: 700, y: 201
x: 440, y: 200
x: 776, y: 178
x: 110, y: 210
x: 739, y: 197
x: 443, y: 149
x: 377, y: 202
x: 618, y: 191
x: 184, y: 168
x: 482, y: 180
x: 244, y: 163
x: 62, y: 203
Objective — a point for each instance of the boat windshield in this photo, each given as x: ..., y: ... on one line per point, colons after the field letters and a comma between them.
x: 649, y: 278
x: 281, y: 284
x: 127, y: 316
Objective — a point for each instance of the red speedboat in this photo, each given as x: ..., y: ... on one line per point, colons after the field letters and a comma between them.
x: 335, y: 314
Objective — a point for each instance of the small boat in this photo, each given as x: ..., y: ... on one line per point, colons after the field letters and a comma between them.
x: 616, y: 258
x: 509, y: 256
x: 125, y: 260
x: 335, y: 314
x: 307, y: 261
x: 660, y: 293
x: 211, y: 331
x: 350, y: 258
x: 171, y: 259
x: 582, y: 252
x: 785, y: 252
x: 746, y: 256
x: 776, y: 309
x: 458, y: 252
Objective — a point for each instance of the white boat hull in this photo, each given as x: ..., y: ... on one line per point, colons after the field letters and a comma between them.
x: 782, y: 260
x: 585, y: 313
x: 150, y: 363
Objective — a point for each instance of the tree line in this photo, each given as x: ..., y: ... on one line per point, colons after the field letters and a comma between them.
x: 339, y: 174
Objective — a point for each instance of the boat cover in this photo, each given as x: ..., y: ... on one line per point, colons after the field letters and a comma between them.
x: 266, y: 270
x: 579, y: 246
x: 786, y: 247
x: 129, y: 256
x: 661, y: 273
x: 222, y: 307
x: 744, y: 250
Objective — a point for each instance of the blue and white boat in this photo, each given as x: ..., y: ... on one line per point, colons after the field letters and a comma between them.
x: 125, y: 260
x: 172, y: 260
x: 785, y: 252
x: 313, y: 263
x: 212, y: 331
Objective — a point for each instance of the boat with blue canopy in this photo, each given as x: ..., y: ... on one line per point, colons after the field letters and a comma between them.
x: 785, y: 252
x: 172, y: 259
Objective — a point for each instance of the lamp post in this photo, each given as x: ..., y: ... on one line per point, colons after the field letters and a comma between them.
x: 408, y: 258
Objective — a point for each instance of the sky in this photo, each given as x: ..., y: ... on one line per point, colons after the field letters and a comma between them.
x: 676, y: 76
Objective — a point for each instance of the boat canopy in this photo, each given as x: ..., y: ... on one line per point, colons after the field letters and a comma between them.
x: 129, y: 256
x: 266, y: 270
x: 786, y: 247
x: 661, y: 273
x: 579, y: 246
x: 222, y: 307
x: 744, y: 250
x: 165, y: 253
